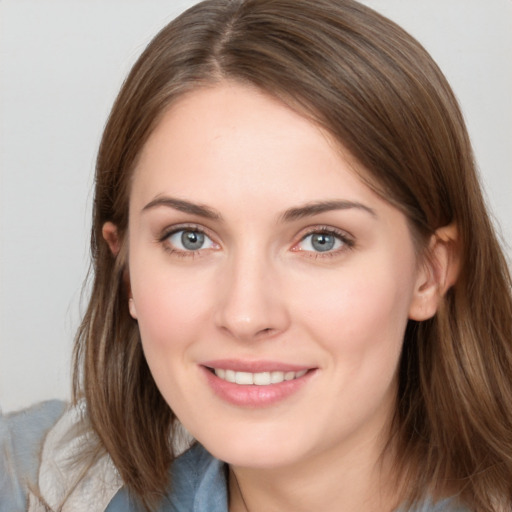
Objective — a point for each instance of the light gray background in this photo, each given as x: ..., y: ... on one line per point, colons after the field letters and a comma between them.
x: 61, y: 64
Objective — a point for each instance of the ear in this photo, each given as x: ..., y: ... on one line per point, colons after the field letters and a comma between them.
x: 111, y: 236
x: 131, y: 307
x: 439, y: 271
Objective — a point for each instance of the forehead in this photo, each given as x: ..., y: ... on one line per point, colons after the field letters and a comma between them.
x: 236, y: 134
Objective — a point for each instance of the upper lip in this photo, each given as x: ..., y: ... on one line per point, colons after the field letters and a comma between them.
x: 254, y: 366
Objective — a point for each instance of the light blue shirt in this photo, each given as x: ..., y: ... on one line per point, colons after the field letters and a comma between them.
x: 21, y: 439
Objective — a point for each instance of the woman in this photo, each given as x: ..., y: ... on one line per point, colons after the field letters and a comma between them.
x: 293, y: 259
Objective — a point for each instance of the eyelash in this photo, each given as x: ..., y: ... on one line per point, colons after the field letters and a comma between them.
x: 163, y: 239
x: 346, y: 241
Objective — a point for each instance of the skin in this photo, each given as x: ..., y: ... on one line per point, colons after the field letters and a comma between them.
x: 258, y: 289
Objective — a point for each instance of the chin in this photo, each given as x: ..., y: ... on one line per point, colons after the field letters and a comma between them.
x: 260, y: 450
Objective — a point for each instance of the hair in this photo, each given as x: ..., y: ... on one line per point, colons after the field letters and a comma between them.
x: 380, y: 95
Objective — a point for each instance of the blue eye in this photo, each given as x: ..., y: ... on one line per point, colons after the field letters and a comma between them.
x: 322, y: 242
x: 190, y: 240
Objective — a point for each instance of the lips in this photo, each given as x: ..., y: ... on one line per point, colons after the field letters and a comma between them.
x: 257, y: 383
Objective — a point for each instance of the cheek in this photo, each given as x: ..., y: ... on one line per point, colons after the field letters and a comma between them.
x: 171, y: 314
x: 171, y: 304
x: 358, y: 309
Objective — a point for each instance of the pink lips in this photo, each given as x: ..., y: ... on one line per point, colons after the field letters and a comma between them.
x: 253, y: 395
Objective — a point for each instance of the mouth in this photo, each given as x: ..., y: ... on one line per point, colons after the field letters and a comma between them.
x: 256, y: 384
x: 257, y: 379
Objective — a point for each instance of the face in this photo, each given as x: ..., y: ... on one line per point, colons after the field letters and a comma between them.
x: 271, y: 286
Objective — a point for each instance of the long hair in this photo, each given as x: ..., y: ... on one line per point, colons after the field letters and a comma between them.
x: 378, y: 93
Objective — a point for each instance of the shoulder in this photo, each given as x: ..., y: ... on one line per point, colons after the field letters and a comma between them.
x: 75, y: 475
x: 22, y: 435
x: 46, y: 465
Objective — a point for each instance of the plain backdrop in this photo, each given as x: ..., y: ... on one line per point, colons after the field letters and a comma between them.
x: 61, y: 65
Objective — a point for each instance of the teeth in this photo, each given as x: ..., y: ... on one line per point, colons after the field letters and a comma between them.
x: 259, y: 379
x: 244, y: 378
x: 276, y: 377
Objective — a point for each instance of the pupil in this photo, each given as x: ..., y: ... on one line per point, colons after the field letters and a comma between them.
x: 192, y: 240
x: 322, y: 242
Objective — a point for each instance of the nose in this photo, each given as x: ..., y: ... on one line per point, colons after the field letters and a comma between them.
x: 252, y: 303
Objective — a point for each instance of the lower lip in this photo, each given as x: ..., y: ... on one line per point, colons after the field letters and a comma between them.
x: 252, y: 395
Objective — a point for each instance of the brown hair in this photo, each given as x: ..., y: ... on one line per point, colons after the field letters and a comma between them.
x: 378, y: 92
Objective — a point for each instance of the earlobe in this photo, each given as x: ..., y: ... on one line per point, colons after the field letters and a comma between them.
x: 111, y: 236
x: 438, y: 274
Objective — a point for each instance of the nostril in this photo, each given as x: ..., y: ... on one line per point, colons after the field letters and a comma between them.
x: 267, y: 330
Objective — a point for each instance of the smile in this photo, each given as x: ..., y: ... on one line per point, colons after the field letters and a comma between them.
x: 256, y: 384
x: 258, y: 379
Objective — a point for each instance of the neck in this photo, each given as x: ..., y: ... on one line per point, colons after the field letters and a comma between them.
x: 359, y: 479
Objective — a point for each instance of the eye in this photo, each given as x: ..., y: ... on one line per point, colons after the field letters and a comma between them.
x: 189, y: 240
x: 323, y: 241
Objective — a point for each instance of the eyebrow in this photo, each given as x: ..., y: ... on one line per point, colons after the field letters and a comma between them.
x: 183, y: 206
x: 318, y: 207
x: 292, y: 214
